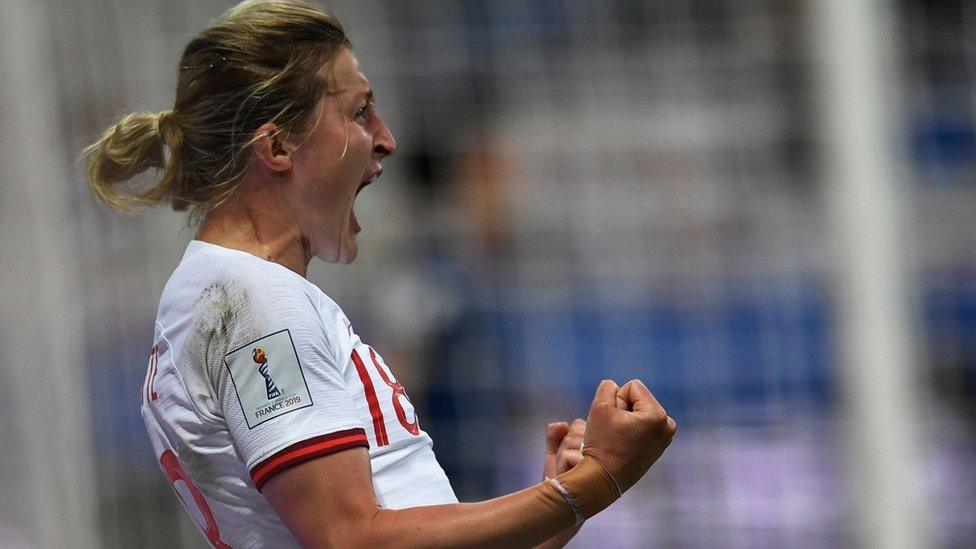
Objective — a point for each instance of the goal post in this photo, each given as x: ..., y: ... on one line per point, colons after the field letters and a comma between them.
x: 855, y: 53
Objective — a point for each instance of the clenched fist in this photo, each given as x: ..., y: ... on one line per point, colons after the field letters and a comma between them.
x: 627, y: 431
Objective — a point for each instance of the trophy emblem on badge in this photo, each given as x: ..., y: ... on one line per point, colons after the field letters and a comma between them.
x: 269, y: 384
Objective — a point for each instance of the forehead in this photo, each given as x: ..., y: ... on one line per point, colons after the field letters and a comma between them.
x: 346, y: 74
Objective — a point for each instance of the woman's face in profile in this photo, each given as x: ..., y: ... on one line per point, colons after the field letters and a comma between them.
x: 340, y: 156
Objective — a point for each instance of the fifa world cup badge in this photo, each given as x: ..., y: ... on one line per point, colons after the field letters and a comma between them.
x: 268, y: 378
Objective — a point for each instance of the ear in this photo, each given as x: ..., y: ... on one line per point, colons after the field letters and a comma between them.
x: 270, y: 149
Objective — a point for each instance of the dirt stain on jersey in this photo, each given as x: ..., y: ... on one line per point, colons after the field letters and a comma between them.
x: 223, y: 318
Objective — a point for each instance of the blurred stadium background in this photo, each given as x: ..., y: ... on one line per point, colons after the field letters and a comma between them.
x: 664, y: 190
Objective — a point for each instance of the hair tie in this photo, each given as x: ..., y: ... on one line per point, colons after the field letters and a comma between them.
x: 158, y: 127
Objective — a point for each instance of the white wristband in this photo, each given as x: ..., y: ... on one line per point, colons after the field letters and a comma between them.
x: 569, y: 500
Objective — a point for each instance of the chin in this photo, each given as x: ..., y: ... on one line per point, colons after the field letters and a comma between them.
x: 345, y: 259
x: 346, y: 253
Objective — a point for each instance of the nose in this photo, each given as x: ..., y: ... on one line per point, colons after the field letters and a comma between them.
x: 383, y: 143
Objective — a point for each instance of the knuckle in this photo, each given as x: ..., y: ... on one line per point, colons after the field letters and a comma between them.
x: 658, y: 417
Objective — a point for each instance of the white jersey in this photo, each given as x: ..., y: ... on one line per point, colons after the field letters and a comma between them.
x: 253, y: 369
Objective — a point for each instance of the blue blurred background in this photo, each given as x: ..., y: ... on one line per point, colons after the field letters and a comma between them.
x: 582, y: 190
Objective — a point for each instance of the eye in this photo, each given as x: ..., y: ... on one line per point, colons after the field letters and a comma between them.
x: 364, y: 112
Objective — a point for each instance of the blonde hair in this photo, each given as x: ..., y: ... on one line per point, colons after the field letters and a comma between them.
x: 258, y: 63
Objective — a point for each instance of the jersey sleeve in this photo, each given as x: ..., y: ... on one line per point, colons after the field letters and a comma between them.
x: 287, y: 400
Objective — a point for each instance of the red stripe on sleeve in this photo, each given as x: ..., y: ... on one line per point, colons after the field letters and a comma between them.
x: 379, y: 425
x: 306, y: 450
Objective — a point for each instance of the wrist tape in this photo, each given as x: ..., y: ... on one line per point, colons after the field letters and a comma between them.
x: 587, y: 488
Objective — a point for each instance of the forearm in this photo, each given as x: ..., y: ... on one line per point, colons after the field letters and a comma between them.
x: 523, y: 519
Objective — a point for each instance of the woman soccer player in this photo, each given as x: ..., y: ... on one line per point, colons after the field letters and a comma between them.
x: 277, y: 424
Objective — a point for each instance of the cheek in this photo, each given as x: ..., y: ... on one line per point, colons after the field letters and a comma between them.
x: 360, y: 145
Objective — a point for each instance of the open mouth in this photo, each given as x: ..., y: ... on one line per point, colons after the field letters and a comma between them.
x: 353, y: 221
x: 364, y: 184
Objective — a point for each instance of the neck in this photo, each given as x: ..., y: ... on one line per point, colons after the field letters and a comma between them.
x: 240, y: 224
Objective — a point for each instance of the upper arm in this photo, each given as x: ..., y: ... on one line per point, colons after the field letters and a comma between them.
x: 327, y: 501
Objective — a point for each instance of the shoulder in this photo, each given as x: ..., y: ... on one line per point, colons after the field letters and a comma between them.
x: 235, y: 296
